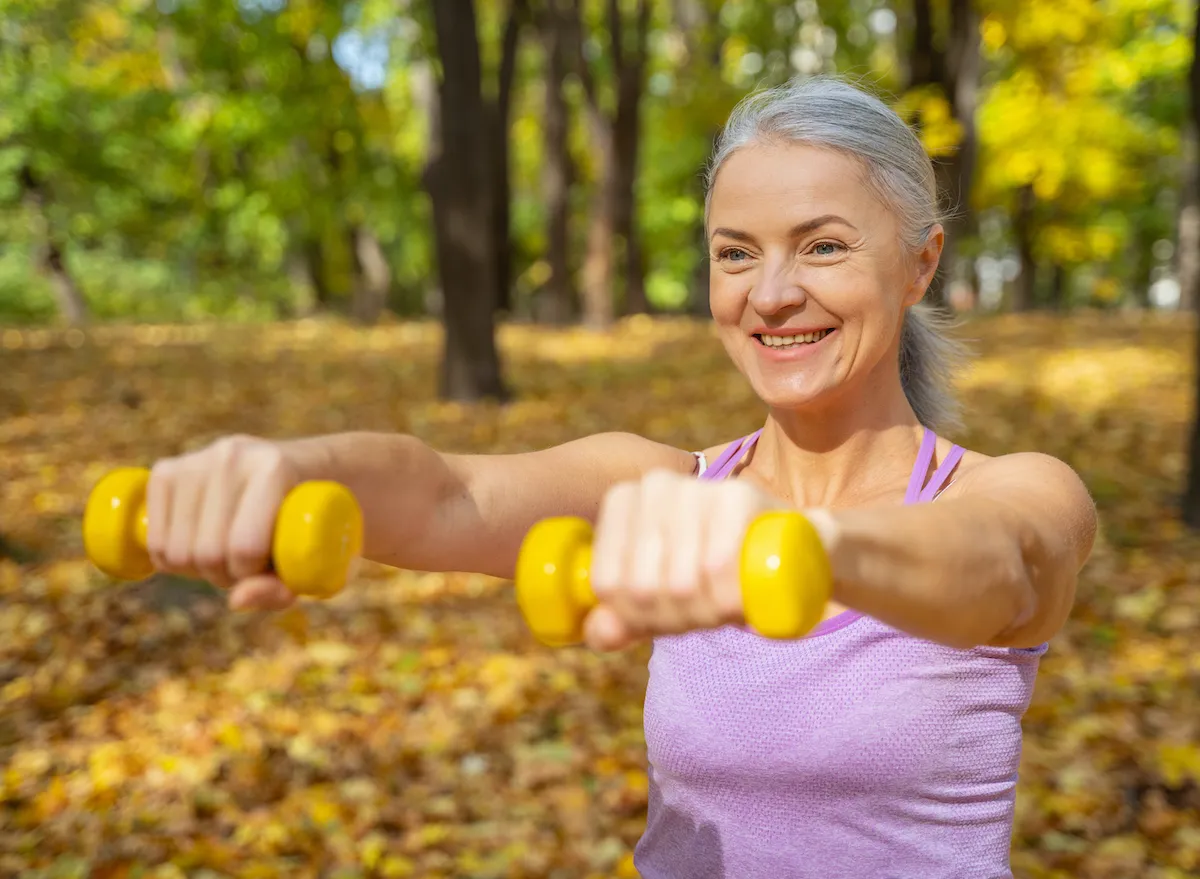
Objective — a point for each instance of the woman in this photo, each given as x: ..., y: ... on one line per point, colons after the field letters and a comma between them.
x: 886, y: 743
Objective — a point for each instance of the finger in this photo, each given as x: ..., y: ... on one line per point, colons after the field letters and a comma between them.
x: 264, y: 592
x: 662, y: 611
x: 684, y: 579
x: 605, y: 630
x: 611, y: 539
x: 158, y: 510
x: 210, y: 547
x: 252, y: 527
x: 186, y: 498
x: 722, y: 550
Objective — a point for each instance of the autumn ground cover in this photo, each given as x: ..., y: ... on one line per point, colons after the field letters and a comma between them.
x: 411, y: 726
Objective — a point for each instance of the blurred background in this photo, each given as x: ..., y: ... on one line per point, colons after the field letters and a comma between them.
x: 480, y: 222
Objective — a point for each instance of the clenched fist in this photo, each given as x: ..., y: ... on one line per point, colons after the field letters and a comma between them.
x: 666, y: 556
x: 211, y: 514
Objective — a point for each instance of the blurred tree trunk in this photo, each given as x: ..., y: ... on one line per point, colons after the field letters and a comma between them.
x: 1060, y: 279
x: 458, y: 178
x: 954, y: 69
x: 699, y: 24
x: 1191, y: 495
x: 1188, y: 245
x: 72, y: 307
x: 501, y: 113
x: 1024, y: 288
x: 314, y: 259
x: 627, y: 137
x: 372, y: 276
x: 613, y: 227
x: 557, y: 302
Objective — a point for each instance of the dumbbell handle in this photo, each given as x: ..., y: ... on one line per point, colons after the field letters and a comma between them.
x: 318, y: 532
x: 784, y: 573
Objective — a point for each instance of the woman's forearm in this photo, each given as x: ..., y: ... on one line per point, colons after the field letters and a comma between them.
x: 429, y: 511
x: 406, y: 490
x: 960, y: 572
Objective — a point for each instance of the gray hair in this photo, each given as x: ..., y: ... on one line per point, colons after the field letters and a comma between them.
x: 830, y: 113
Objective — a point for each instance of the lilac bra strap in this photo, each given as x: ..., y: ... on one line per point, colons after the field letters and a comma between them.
x: 915, y: 493
x: 921, y: 467
x: 941, y: 476
x: 730, y: 458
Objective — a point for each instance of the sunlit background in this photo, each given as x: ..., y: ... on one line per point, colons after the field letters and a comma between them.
x: 481, y: 223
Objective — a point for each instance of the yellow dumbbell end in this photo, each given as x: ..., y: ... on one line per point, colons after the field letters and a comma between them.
x: 785, y: 574
x: 318, y: 535
x: 114, y: 524
x: 553, y: 580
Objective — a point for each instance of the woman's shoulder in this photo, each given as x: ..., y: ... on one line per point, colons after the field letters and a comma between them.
x: 1032, y: 476
x: 976, y: 468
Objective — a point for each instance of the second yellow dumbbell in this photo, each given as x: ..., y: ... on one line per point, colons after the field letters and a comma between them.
x: 784, y: 573
x: 318, y: 532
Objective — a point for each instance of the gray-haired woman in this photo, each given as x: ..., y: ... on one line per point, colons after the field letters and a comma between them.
x: 885, y: 743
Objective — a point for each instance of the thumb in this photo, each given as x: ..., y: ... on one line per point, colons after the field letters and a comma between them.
x: 261, y: 592
x: 604, y: 630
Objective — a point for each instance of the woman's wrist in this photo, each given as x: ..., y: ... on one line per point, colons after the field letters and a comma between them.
x: 313, y: 457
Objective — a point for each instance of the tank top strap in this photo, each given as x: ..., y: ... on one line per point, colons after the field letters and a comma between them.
x: 730, y: 457
x: 919, y: 491
x: 941, y: 476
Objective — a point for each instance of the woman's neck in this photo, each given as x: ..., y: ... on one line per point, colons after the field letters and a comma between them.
x: 844, y: 453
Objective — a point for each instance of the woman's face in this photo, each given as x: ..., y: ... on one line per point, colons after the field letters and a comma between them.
x: 809, y: 276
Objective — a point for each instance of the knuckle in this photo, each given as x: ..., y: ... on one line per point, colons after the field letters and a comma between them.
x: 682, y: 587
x: 659, y: 480
x: 228, y: 448
x: 619, y: 495
x: 177, y: 558
x: 245, y: 555
x: 209, y: 557
x: 717, y: 565
x: 163, y: 470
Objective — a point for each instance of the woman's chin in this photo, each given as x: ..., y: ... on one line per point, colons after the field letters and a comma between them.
x: 788, y: 398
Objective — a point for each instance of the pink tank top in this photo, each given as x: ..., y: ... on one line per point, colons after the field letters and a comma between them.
x: 857, y: 752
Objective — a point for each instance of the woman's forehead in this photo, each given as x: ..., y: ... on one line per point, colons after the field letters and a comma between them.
x: 790, y: 181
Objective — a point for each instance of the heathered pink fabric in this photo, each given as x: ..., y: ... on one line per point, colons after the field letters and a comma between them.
x: 857, y: 752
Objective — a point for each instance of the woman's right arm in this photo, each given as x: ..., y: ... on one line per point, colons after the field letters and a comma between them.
x: 211, y: 513
x: 430, y: 511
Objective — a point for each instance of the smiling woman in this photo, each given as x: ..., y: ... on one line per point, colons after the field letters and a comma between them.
x: 873, y: 162
x: 887, y: 741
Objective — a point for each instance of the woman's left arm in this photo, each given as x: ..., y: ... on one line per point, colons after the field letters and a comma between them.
x: 993, y: 561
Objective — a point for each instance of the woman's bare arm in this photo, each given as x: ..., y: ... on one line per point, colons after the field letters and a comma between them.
x: 430, y: 511
x: 993, y: 561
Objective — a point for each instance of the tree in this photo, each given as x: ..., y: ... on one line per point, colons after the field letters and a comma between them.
x: 613, y: 236
x: 557, y: 302
x: 459, y: 177
x: 948, y: 70
x: 499, y: 110
x: 1191, y: 496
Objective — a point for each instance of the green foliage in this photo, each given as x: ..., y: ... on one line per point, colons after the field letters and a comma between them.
x: 212, y: 157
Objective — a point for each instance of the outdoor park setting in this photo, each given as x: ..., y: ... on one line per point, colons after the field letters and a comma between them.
x: 483, y: 225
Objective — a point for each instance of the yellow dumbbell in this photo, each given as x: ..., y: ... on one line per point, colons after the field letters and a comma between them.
x: 318, y: 532
x: 784, y: 572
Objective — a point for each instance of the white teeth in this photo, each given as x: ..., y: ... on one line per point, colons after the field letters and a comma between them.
x: 786, y: 341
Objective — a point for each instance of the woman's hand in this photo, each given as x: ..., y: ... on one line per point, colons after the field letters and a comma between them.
x: 666, y: 555
x: 211, y: 514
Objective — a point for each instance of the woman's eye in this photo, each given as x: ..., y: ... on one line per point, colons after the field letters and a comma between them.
x: 735, y: 254
x: 827, y: 248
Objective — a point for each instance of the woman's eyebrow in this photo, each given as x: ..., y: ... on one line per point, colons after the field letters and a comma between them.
x: 795, y: 232
x: 817, y: 222
x: 735, y: 234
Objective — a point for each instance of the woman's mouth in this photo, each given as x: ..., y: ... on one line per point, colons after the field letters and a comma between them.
x: 795, y: 341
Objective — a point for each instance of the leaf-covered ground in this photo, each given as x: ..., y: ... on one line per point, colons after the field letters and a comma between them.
x: 412, y: 727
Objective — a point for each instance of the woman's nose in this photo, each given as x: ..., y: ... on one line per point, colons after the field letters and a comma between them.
x: 777, y: 288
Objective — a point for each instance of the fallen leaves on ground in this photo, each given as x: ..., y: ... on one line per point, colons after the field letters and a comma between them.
x: 411, y: 726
